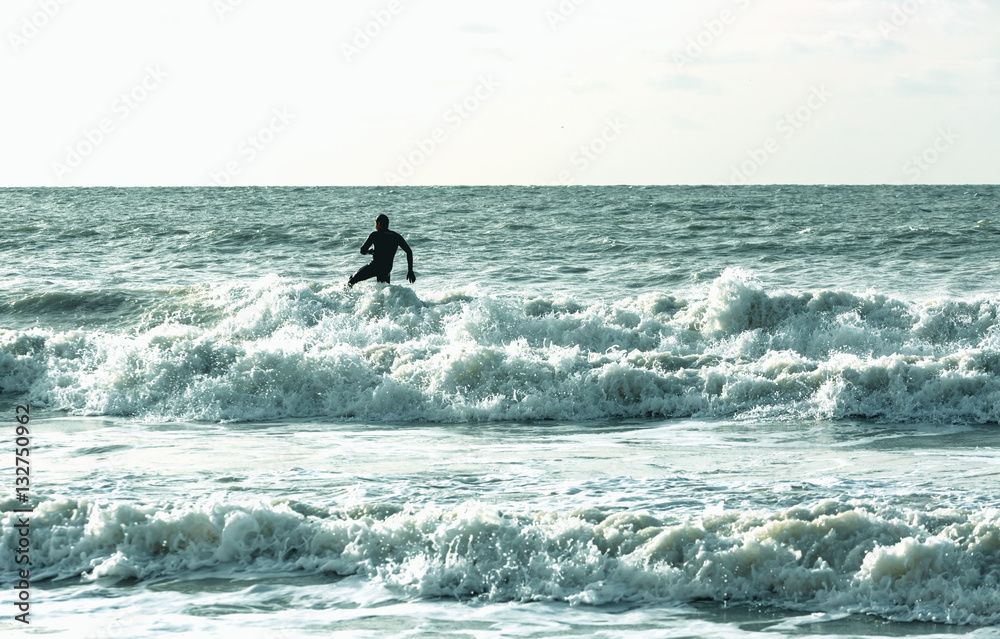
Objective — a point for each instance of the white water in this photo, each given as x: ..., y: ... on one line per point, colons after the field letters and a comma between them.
x: 599, y: 412
x: 279, y: 349
x: 903, y: 565
x: 635, y: 515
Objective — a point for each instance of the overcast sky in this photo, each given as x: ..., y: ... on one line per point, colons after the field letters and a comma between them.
x: 334, y: 92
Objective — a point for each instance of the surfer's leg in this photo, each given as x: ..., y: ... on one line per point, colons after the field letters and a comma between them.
x: 365, y: 272
x: 382, y: 277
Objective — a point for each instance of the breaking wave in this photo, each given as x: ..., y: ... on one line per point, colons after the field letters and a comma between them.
x: 903, y: 565
x: 279, y: 349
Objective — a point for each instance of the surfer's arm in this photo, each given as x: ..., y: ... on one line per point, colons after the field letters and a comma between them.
x: 367, y: 245
x: 409, y: 260
x: 409, y: 254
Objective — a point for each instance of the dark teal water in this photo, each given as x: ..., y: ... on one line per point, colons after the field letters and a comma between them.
x: 583, y: 242
x: 599, y: 411
x: 563, y: 303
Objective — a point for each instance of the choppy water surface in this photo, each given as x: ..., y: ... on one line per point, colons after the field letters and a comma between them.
x: 599, y: 412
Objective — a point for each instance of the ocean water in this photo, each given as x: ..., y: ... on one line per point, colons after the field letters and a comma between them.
x: 599, y: 412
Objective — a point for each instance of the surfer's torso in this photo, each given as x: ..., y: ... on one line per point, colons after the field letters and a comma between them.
x: 384, y: 244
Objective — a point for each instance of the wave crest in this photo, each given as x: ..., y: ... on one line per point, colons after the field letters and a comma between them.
x: 940, y: 566
x: 279, y: 349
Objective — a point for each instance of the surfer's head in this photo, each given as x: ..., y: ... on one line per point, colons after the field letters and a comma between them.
x: 382, y: 222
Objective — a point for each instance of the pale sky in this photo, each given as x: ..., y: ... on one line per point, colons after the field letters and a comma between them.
x: 334, y: 92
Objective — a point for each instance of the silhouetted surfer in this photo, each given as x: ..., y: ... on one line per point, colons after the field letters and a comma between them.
x: 383, y: 244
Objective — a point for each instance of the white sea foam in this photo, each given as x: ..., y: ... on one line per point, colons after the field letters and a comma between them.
x: 832, y: 556
x: 279, y: 349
